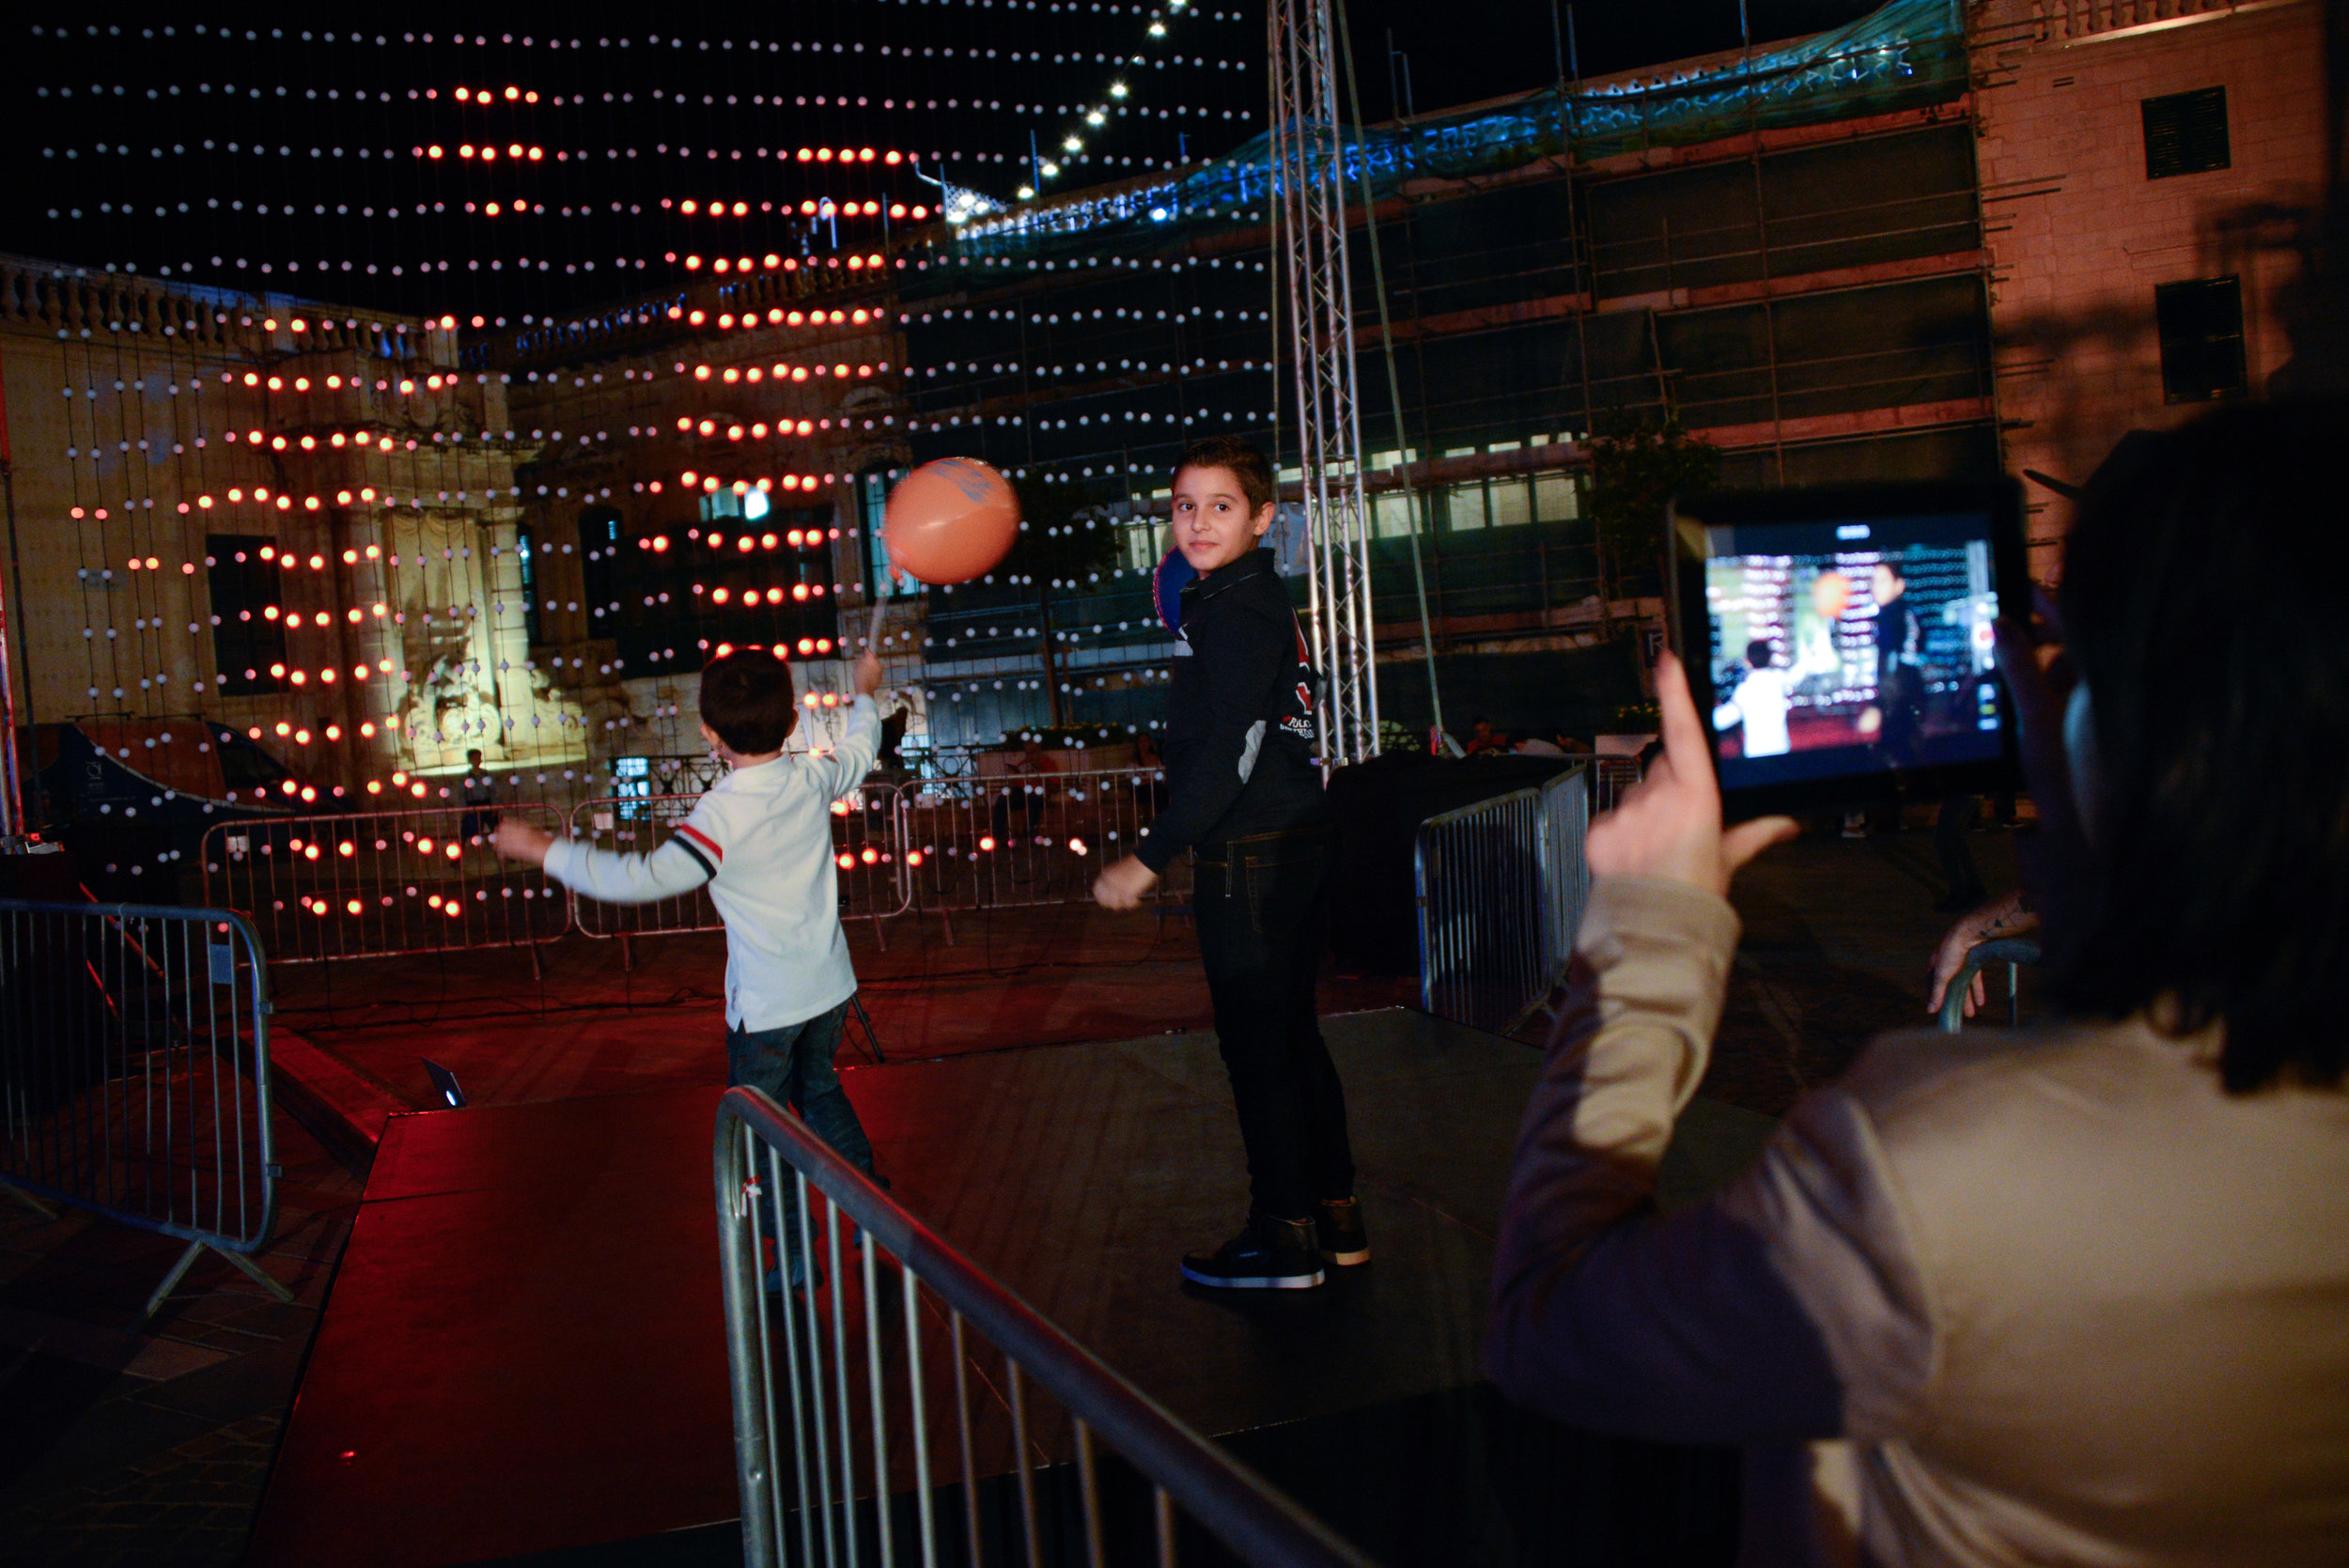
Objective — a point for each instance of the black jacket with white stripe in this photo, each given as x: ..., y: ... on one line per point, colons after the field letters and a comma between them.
x: 1241, y: 735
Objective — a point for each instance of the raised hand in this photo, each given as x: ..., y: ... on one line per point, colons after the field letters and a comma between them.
x: 1669, y: 824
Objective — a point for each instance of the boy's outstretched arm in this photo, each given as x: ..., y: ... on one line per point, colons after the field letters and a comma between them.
x: 517, y: 840
x: 689, y: 859
x: 859, y: 741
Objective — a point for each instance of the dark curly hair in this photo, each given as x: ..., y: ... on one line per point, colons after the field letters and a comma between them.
x: 747, y: 699
x: 2202, y: 603
x: 1237, y: 456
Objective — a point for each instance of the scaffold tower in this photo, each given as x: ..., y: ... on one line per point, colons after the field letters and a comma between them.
x: 1314, y: 336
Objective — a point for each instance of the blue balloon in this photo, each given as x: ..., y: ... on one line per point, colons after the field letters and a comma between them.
x: 1168, y: 589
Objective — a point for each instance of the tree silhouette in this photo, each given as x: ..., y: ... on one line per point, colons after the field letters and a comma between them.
x: 1634, y: 474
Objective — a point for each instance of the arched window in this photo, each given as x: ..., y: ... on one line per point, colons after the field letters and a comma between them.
x: 598, y: 561
x: 872, y: 506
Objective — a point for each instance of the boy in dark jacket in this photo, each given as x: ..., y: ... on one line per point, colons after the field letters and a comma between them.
x: 1246, y: 798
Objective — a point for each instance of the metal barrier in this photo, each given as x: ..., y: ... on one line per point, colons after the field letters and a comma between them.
x: 1028, y: 838
x: 1565, y: 871
x: 880, y: 1376
x: 1611, y: 776
x: 2013, y: 952
x: 365, y: 884
x: 134, y: 1073
x: 866, y: 843
x: 1478, y: 874
x: 1501, y: 889
x: 942, y: 846
x: 369, y: 884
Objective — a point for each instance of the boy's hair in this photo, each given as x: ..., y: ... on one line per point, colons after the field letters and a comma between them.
x: 748, y: 702
x: 473, y: 754
x: 1760, y: 654
x: 1240, y: 459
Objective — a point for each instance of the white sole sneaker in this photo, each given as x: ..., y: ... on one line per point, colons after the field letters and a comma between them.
x: 1254, y: 1281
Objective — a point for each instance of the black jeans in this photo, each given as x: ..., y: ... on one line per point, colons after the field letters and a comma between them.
x: 1262, y: 904
x: 793, y: 1065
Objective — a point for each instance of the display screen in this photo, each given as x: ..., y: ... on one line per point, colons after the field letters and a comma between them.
x: 1852, y: 645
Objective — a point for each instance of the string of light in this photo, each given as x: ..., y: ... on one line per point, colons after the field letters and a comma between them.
x: 345, y: 436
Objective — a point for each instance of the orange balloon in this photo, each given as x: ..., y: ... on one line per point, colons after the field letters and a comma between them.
x: 1830, y: 595
x: 950, y: 521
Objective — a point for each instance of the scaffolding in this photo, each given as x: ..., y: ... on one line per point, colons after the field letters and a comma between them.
x: 1907, y: 54
x: 1308, y: 190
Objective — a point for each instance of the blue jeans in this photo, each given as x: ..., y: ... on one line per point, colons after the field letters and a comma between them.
x: 793, y: 1065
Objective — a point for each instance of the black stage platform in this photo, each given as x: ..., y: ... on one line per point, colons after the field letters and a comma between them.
x: 523, y: 1354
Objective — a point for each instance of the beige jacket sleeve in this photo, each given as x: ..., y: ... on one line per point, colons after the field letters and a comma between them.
x: 1785, y: 1307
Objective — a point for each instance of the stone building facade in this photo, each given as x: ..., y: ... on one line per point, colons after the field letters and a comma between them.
x: 295, y: 520
x: 2151, y: 174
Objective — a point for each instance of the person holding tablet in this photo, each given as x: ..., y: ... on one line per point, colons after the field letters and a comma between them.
x: 2074, y: 1294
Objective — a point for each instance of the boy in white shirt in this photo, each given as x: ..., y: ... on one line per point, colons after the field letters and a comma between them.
x: 1759, y: 703
x: 761, y: 840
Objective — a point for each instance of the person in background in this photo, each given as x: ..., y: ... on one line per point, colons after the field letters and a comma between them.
x: 1026, y: 770
x: 1900, y: 639
x: 2074, y: 1294
x: 1481, y: 736
x: 1246, y: 798
x: 480, y: 794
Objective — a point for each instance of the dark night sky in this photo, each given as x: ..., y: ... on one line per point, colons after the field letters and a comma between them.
x: 124, y: 142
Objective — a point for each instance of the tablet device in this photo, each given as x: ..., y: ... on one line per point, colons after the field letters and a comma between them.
x: 1839, y: 642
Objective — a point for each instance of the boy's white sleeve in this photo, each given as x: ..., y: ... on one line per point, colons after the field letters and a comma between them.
x: 691, y: 857
x: 860, y: 743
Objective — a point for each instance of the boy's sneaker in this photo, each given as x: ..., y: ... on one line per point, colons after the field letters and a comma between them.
x: 1270, y: 1254
x: 1338, y: 1228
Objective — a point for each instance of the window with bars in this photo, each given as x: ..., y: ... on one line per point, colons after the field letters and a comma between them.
x: 872, y: 506
x: 1391, y: 512
x: 2200, y: 326
x: 1506, y: 502
x: 246, y: 589
x: 526, y: 559
x: 2186, y: 133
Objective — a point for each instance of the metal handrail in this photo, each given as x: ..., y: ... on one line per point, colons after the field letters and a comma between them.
x: 1233, y: 1503
x: 2013, y: 952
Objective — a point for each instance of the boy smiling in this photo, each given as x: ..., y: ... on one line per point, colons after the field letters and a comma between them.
x: 1245, y: 797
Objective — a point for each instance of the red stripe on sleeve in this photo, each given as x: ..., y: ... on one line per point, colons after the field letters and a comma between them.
x: 703, y: 839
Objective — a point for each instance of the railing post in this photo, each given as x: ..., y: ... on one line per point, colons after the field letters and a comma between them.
x: 1256, y: 1525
